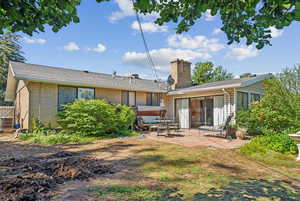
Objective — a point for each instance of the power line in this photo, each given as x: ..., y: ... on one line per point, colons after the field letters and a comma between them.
x: 150, y: 60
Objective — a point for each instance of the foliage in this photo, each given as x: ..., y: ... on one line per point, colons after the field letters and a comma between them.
x: 96, y: 117
x: 245, y: 75
x: 31, y: 16
x: 240, y: 19
x: 39, y: 127
x: 10, y: 50
x: 277, y: 111
x: 290, y: 78
x: 206, y: 72
x: 275, y: 142
x: 55, y: 138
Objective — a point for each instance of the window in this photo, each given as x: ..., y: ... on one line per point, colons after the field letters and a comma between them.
x: 86, y: 93
x: 68, y: 94
x: 153, y: 99
x: 254, y: 97
x: 128, y: 98
x: 242, y: 100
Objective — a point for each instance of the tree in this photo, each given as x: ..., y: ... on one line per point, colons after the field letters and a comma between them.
x: 290, y: 78
x: 248, y: 19
x: 10, y: 50
x: 279, y: 109
x: 206, y: 72
x: 245, y: 75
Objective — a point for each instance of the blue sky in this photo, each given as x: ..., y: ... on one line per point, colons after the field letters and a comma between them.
x: 107, y: 40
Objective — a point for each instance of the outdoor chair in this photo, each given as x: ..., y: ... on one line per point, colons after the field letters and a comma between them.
x: 222, y: 130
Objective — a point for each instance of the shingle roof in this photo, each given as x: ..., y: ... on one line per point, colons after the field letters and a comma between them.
x: 49, y: 74
x: 241, y: 82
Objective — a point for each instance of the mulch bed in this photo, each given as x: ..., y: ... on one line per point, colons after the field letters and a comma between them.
x: 33, y: 178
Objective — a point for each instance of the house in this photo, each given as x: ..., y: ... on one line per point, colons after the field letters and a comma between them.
x: 39, y: 91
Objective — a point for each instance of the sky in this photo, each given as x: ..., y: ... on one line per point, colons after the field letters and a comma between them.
x: 107, y: 39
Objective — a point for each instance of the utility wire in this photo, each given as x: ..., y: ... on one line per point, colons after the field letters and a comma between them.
x: 150, y: 60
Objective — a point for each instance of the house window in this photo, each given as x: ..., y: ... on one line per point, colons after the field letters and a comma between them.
x: 86, y: 93
x: 242, y: 100
x: 254, y: 97
x: 153, y: 99
x: 68, y: 94
x: 128, y: 98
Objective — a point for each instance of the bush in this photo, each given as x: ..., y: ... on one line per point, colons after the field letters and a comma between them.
x: 279, y: 143
x: 277, y: 111
x: 95, y: 117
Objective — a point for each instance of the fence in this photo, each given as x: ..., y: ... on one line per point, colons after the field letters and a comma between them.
x: 6, y: 117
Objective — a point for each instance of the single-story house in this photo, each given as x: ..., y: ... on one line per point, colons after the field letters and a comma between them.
x: 39, y: 91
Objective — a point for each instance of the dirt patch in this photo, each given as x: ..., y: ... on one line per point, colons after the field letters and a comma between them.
x: 33, y: 178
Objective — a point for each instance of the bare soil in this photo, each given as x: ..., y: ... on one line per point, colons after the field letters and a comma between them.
x: 32, y: 178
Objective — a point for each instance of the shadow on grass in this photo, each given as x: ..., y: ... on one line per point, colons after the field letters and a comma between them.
x: 252, y: 190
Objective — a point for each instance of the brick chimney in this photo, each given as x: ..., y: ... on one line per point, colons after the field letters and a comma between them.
x: 181, y: 73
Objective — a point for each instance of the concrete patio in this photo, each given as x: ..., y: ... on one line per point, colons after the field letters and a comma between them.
x: 194, y: 137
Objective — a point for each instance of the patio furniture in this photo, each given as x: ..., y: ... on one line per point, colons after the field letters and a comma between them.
x: 222, y: 130
x: 140, y: 124
x: 166, y: 124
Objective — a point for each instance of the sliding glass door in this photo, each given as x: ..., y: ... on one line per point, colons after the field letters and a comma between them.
x: 202, y: 111
x: 183, y: 112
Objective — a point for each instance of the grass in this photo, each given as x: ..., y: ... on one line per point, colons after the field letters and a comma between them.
x: 60, y: 138
x: 196, y: 170
x: 130, y: 193
x: 263, y: 149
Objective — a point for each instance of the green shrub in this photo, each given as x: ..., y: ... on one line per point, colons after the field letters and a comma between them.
x: 95, y: 117
x: 277, y: 111
x: 279, y: 143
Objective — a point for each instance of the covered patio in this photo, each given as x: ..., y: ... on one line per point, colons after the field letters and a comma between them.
x: 194, y: 137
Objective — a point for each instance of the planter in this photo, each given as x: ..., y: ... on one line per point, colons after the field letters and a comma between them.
x: 241, y: 134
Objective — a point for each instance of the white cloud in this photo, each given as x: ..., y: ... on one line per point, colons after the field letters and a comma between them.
x: 208, y: 16
x: 126, y: 10
x: 241, y: 53
x: 162, y: 57
x: 149, y: 27
x: 100, y: 48
x: 34, y: 40
x: 275, y: 32
x: 216, y: 31
x: 71, y: 46
x: 196, y: 42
